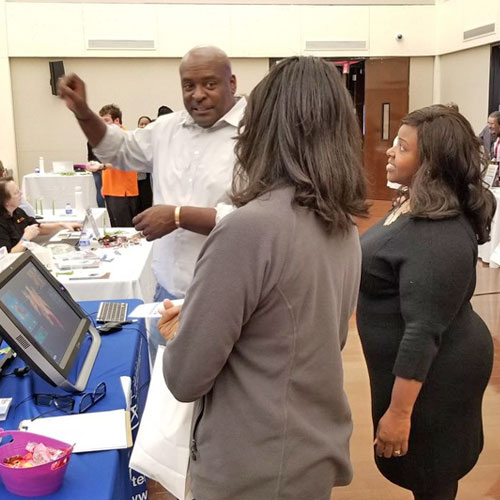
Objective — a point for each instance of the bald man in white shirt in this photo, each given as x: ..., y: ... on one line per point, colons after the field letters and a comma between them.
x: 190, y: 155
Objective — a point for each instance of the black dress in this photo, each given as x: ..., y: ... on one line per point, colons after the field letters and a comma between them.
x: 415, y: 321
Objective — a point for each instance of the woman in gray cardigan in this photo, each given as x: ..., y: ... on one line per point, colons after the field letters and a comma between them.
x: 266, y: 317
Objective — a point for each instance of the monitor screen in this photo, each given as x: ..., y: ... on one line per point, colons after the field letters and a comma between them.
x: 40, y: 320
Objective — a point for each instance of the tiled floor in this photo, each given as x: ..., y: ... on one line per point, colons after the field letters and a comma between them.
x: 483, y: 482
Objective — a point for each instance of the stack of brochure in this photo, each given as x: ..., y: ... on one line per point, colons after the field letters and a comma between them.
x: 77, y: 260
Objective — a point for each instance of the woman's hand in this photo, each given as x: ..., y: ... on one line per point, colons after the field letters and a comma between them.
x: 168, y: 324
x: 31, y: 232
x: 393, y: 432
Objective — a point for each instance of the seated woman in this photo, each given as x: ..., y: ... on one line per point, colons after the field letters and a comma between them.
x: 24, y: 204
x: 15, y: 225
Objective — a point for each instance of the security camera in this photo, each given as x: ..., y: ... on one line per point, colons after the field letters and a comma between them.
x: 399, y: 36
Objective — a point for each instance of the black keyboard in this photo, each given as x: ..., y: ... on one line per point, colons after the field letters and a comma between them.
x: 112, y: 311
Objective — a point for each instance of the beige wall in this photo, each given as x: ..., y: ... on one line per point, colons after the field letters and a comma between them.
x: 464, y: 79
x: 243, y: 30
x: 140, y: 80
x: 421, y: 82
x: 7, y: 135
x: 44, y: 127
x: 454, y: 17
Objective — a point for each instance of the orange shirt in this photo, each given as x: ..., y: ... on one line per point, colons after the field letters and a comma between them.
x: 118, y: 182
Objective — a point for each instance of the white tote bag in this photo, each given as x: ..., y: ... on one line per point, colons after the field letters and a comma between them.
x: 161, y: 449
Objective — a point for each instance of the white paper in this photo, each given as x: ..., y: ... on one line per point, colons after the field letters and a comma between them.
x: 162, y: 445
x: 490, y: 174
x: 105, y: 430
x: 151, y: 310
x: 127, y: 390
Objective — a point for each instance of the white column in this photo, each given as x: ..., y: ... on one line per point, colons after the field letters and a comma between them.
x: 8, y: 153
x: 436, y: 90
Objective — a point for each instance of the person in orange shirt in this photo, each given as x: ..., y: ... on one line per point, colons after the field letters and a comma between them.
x: 119, y: 188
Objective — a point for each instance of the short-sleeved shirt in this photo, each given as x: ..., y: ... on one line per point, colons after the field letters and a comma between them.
x: 12, y: 227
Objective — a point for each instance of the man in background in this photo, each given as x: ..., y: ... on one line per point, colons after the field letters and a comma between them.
x: 119, y: 188
x: 490, y: 134
x: 164, y: 110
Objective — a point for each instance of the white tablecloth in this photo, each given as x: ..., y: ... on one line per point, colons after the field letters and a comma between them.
x: 59, y: 189
x: 487, y: 249
x: 60, y: 215
x: 130, y: 277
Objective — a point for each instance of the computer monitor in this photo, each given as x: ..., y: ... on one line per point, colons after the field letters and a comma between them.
x: 45, y: 326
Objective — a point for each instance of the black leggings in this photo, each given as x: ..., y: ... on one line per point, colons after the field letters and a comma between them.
x: 448, y: 492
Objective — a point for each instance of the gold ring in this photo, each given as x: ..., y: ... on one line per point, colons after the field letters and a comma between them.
x: 397, y: 452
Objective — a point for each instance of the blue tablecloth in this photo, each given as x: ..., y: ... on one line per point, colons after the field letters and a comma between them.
x: 99, y: 475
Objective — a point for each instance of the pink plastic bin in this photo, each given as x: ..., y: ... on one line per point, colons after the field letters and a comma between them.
x: 33, y: 481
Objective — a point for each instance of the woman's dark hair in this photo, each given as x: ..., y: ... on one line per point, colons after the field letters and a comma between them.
x: 299, y: 129
x: 144, y: 116
x: 449, y: 180
x: 164, y: 110
x: 4, y: 195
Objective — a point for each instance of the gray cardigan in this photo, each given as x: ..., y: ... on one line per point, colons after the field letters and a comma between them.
x: 259, y: 345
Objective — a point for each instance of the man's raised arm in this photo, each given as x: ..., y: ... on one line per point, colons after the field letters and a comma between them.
x: 71, y: 89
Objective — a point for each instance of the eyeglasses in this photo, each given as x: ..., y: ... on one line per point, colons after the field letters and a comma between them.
x: 89, y: 399
x: 67, y: 403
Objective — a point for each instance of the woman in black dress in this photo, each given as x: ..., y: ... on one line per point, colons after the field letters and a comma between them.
x: 429, y: 355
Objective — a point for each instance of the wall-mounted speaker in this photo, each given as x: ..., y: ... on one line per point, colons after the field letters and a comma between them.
x: 56, y: 72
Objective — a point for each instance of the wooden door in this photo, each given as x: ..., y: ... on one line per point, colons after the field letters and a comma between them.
x: 386, y: 103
